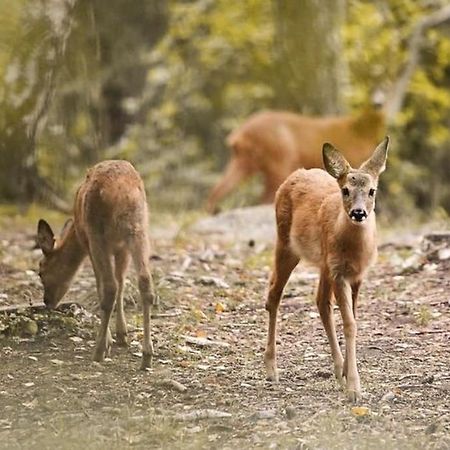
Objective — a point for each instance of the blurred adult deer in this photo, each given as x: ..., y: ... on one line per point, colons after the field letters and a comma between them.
x: 329, y: 220
x: 110, y: 225
x: 276, y: 143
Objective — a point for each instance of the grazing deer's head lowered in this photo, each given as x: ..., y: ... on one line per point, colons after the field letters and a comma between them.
x: 110, y: 225
x: 275, y: 143
x: 55, y: 282
x: 329, y: 221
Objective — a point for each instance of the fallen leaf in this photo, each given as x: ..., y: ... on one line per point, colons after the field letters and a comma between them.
x: 220, y: 308
x: 360, y: 411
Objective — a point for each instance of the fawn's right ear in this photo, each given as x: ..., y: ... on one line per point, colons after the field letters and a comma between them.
x: 335, y: 164
x: 45, y: 237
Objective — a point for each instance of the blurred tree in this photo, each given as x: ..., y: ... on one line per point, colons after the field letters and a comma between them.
x: 33, y: 49
x: 310, y: 68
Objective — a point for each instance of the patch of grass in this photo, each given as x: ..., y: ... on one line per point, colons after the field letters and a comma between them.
x: 259, y: 260
x: 423, y: 315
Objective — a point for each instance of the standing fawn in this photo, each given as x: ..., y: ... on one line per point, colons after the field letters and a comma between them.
x: 332, y: 225
x: 110, y: 224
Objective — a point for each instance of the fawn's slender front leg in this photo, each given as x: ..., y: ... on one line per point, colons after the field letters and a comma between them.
x: 325, y: 305
x: 107, y: 291
x: 122, y: 259
x: 343, y: 294
x: 285, y: 262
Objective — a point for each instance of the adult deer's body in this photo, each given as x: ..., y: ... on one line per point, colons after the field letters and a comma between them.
x: 276, y: 143
x: 110, y: 224
x: 331, y: 224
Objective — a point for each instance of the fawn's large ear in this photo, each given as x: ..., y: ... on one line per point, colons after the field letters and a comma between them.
x: 66, y: 227
x: 335, y: 164
x: 377, y: 162
x: 45, y: 237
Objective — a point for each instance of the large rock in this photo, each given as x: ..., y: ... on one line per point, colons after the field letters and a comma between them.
x: 255, y: 223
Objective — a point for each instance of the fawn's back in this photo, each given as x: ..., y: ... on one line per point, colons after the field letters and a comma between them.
x: 111, y: 203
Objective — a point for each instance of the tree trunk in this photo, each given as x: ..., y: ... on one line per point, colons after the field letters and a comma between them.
x: 310, y: 68
x: 29, y: 85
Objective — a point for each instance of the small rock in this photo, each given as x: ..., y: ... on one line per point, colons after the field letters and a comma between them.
x: 290, y: 412
x: 388, y: 397
x: 29, y: 328
x: 213, y: 281
x: 264, y: 414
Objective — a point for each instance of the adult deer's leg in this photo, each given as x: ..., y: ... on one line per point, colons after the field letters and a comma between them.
x: 233, y: 175
x: 107, y: 291
x: 141, y: 254
x: 285, y: 262
x: 325, y: 306
x: 343, y: 294
x: 122, y: 259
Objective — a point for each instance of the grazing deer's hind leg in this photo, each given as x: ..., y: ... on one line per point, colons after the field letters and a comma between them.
x: 285, y: 262
x: 141, y: 254
x: 342, y: 292
x: 325, y: 306
x: 107, y: 291
x: 122, y: 259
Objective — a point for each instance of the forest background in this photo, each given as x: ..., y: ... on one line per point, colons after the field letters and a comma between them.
x: 161, y: 83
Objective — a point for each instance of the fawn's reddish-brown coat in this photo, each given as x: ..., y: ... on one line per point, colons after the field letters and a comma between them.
x: 328, y: 219
x: 110, y: 224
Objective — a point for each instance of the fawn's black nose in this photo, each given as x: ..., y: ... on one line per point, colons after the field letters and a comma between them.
x: 358, y: 215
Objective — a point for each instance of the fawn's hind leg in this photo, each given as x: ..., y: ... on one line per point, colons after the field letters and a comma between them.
x: 141, y: 255
x: 122, y: 259
x: 285, y: 262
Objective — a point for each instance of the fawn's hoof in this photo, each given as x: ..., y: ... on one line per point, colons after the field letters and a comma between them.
x: 271, y: 372
x: 353, y: 396
x: 146, y: 361
x: 121, y: 340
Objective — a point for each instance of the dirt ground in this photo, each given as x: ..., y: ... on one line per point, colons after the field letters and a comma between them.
x: 207, y: 387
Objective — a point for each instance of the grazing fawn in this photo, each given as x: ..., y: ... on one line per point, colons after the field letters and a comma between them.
x: 332, y: 225
x: 275, y: 143
x: 110, y: 224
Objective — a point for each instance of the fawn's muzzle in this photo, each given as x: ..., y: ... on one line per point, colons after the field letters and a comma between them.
x: 358, y: 215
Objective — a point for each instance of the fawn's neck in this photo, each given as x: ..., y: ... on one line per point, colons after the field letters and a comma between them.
x: 71, y: 254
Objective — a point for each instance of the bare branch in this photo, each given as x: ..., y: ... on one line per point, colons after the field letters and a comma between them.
x: 414, y: 46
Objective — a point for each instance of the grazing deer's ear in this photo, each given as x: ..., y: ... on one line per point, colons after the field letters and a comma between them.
x: 45, y: 237
x: 66, y: 226
x: 376, y: 164
x: 335, y: 164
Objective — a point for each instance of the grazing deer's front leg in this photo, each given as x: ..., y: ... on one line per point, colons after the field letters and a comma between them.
x: 285, y: 262
x: 141, y: 254
x: 234, y: 174
x: 324, y: 303
x: 107, y: 285
x: 343, y: 294
x: 122, y: 259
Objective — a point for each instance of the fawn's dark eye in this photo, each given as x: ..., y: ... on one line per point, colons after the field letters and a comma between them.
x: 371, y: 192
x: 345, y: 192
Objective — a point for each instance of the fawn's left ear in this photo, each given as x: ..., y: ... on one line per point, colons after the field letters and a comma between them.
x: 376, y: 164
x: 45, y: 237
x: 335, y: 164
